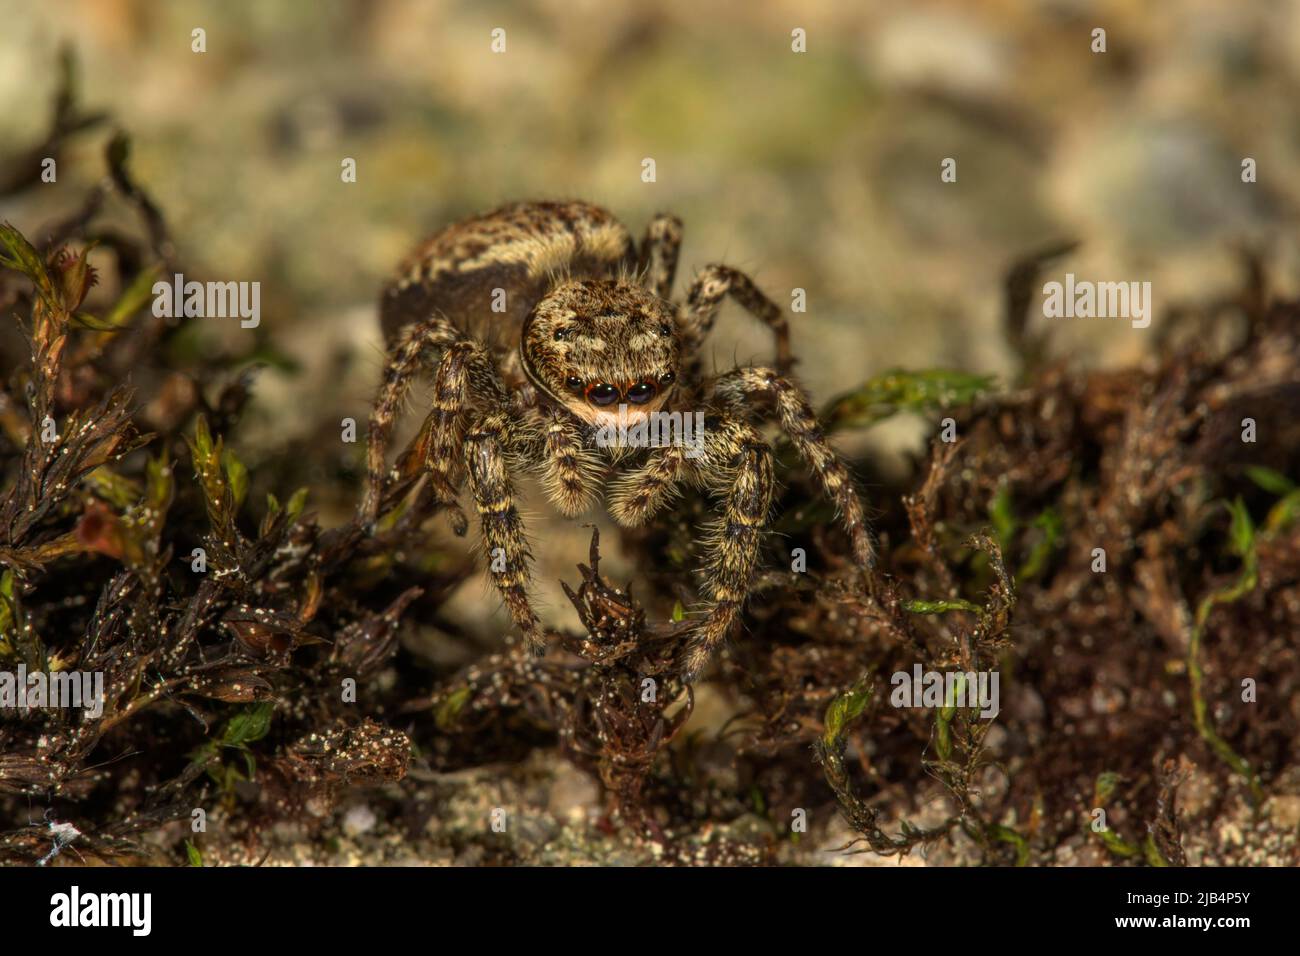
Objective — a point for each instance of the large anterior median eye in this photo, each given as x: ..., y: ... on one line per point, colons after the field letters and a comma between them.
x: 641, y: 393
x: 602, y: 394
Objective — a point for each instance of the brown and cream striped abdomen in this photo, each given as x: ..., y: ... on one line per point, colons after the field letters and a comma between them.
x: 519, y: 248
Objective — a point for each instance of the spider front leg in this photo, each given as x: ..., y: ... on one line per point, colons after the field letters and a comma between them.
x: 569, y: 471
x: 640, y: 494
x: 411, y: 354
x: 658, y: 254
x: 742, y: 462
x: 464, y: 371
x: 704, y: 300
x: 503, y: 530
x: 747, y: 391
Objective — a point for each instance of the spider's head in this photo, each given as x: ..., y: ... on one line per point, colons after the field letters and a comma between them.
x: 596, y: 344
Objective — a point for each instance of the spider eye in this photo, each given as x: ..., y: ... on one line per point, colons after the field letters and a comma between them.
x: 561, y: 334
x: 667, y: 378
x: 641, y: 393
x: 574, y: 383
x: 665, y: 330
x: 602, y: 394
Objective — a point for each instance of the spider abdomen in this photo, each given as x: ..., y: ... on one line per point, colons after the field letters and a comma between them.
x: 486, y: 273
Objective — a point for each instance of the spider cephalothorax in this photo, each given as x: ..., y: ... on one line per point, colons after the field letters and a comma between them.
x: 597, y: 344
x: 544, y: 325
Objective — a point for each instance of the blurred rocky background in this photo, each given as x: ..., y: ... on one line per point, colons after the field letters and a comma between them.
x: 817, y: 170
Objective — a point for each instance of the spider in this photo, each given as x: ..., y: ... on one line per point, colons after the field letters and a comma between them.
x: 542, y: 323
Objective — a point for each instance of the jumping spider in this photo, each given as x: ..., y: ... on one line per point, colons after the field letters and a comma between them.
x: 541, y: 322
